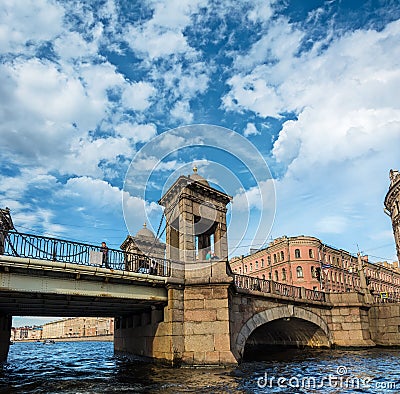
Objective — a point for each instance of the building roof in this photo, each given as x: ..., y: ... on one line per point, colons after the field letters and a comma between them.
x: 198, y: 178
x: 145, y: 232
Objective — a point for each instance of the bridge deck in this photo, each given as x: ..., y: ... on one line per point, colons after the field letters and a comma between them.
x: 49, y: 288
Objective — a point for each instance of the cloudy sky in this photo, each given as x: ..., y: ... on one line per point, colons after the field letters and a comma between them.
x: 313, y: 86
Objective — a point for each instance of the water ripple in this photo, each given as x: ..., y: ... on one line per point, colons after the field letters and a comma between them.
x: 91, y: 368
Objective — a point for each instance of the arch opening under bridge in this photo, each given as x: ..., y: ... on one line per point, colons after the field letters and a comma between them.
x: 280, y: 328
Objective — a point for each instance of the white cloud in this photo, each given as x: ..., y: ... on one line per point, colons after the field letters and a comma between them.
x: 85, y: 155
x: 250, y: 129
x: 181, y: 111
x: 71, y: 45
x: 253, y: 92
x: 95, y: 195
x: 261, y: 11
x: 332, y: 224
x: 137, y: 95
x: 162, y: 35
x: 337, y: 153
x: 136, y: 132
x: 28, y: 21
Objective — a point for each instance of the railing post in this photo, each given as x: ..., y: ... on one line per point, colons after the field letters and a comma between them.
x: 272, y: 286
x: 303, y: 293
x: 55, y: 251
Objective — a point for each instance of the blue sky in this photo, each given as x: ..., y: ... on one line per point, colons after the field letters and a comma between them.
x: 85, y: 87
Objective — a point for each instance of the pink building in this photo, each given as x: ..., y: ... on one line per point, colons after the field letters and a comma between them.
x: 305, y: 261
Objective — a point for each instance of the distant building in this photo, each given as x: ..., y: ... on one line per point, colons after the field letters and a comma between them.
x: 307, y: 262
x: 79, y: 327
x: 26, y: 333
x: 392, y: 206
x: 143, y: 245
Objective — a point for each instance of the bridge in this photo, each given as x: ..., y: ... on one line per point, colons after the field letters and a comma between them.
x: 184, y: 308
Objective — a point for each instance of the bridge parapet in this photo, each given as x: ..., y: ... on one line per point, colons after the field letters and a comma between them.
x: 265, y: 286
x: 18, y: 244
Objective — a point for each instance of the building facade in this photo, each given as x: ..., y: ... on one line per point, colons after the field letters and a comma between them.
x: 78, y: 327
x: 30, y: 333
x: 305, y: 261
x: 392, y: 206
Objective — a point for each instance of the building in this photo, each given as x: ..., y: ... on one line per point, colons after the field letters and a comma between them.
x: 142, y: 246
x: 27, y: 333
x: 392, y: 206
x: 79, y: 327
x: 305, y: 261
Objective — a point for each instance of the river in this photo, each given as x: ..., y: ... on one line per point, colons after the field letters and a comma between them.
x: 91, y: 367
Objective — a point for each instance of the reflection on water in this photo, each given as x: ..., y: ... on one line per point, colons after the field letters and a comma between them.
x: 90, y: 367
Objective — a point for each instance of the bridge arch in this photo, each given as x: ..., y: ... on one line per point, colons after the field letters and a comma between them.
x: 314, y: 330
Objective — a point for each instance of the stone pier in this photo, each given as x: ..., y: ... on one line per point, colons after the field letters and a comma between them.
x: 5, y: 334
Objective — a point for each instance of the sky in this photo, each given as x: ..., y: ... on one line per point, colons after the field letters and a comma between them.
x: 289, y: 107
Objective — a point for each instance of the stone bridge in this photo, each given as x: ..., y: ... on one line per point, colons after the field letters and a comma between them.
x: 190, y: 309
x: 218, y: 322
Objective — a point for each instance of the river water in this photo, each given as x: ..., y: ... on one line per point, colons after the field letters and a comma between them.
x: 91, y: 367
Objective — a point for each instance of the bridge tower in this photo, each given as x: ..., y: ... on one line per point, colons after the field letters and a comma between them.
x: 195, y: 216
x: 198, y: 294
x: 392, y: 206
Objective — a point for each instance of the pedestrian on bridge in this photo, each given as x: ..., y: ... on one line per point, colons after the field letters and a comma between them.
x: 104, y: 250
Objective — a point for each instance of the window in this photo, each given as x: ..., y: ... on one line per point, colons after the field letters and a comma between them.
x: 251, y: 267
x: 311, y: 253
x: 240, y: 270
x: 283, y: 274
x: 299, y: 272
x: 275, y: 258
x: 269, y: 260
x: 313, y: 275
x: 269, y: 275
x: 282, y: 256
x: 245, y: 268
x: 262, y: 263
x: 256, y: 264
x: 297, y: 254
x: 276, y: 276
x: 263, y: 277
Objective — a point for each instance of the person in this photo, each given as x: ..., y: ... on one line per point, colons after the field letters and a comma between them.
x: 104, y: 250
x: 209, y: 254
x: 214, y: 257
x: 153, y: 268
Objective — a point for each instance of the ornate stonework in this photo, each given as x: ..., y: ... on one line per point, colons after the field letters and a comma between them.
x: 392, y: 206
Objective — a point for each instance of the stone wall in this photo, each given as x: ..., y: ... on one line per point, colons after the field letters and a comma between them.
x: 385, y: 324
x: 156, y: 333
x: 349, y: 321
x: 206, y: 327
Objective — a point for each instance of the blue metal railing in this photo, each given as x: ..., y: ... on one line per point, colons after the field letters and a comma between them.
x: 13, y: 243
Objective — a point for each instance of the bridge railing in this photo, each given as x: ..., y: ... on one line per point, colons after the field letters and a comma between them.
x: 315, y: 295
x: 387, y: 298
x: 18, y: 244
x: 269, y: 286
x: 286, y: 290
